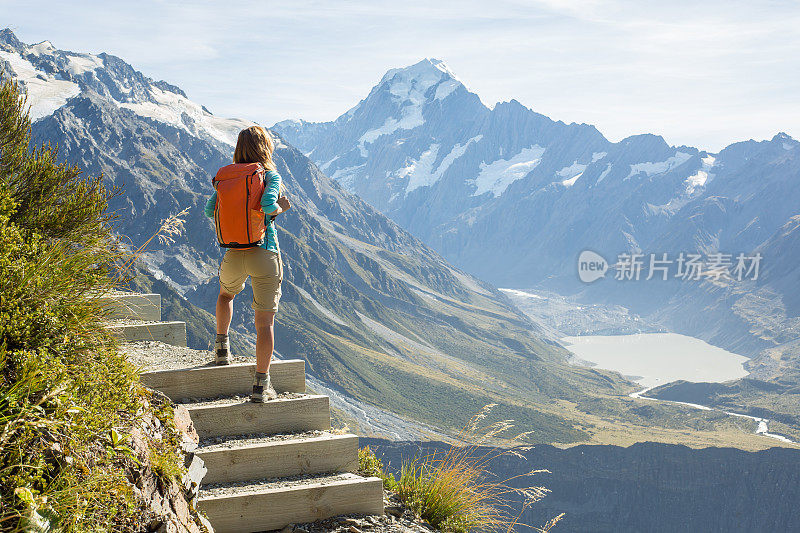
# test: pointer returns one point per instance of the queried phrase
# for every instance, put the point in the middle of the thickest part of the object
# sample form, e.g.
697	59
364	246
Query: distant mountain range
406	344
514	197
384	323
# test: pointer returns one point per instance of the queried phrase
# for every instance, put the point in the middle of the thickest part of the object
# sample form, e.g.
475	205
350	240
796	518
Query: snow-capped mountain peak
412	82
421	128
50	77
396	120
44	47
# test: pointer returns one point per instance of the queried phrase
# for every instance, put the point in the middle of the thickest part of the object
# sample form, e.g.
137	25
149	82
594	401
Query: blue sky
699	73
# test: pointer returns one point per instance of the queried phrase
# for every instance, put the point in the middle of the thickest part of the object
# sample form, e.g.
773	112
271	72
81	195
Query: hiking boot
222	350
262	386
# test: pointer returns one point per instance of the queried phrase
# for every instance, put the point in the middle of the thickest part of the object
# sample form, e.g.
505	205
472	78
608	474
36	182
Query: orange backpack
238	216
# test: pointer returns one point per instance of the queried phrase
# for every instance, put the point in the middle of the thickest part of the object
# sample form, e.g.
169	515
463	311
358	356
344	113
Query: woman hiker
244	205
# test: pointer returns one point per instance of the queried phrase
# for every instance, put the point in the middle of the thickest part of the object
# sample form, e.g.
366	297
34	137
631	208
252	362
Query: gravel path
222	443
246	487
232	400
154	355
118	322
397	519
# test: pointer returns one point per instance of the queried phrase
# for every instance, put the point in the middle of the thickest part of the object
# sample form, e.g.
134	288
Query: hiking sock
262	385
222	349
258	387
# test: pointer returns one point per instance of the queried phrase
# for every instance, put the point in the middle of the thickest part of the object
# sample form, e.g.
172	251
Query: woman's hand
283	204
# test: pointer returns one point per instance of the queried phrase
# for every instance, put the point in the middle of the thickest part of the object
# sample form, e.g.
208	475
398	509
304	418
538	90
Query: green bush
64	388
368	463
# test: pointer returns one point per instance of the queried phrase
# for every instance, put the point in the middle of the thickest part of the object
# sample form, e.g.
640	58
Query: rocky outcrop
168	503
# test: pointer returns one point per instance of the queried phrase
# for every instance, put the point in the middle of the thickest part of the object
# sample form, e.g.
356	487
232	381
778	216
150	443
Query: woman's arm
211	203
269	200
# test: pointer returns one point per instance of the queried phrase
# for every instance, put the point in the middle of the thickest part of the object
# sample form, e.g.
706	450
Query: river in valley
653	359
642	352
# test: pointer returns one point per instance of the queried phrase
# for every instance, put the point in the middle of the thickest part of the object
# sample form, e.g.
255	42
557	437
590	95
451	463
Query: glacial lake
653	359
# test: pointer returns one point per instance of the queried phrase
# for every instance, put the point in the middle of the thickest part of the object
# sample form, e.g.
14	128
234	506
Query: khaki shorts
265	269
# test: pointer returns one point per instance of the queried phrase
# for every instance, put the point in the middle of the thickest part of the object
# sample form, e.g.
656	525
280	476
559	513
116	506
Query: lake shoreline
658	358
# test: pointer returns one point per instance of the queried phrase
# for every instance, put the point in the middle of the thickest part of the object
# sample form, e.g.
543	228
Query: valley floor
606	420
745	413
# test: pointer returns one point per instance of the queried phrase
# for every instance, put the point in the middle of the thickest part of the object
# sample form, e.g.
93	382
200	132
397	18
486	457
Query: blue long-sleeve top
268	203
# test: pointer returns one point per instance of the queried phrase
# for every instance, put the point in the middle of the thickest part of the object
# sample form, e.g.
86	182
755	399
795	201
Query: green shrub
370	466
368	463
63	385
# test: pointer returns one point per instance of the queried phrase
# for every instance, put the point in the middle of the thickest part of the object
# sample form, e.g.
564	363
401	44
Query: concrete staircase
269	465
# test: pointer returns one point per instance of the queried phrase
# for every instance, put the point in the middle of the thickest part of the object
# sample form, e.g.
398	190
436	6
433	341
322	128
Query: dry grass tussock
456	490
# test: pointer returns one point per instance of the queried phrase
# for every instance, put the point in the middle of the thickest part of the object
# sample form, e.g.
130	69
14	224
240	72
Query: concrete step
265	506
133	306
283	415
255	458
230	380
167	332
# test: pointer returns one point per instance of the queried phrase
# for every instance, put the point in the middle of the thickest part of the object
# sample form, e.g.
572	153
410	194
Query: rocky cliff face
514	197
648	487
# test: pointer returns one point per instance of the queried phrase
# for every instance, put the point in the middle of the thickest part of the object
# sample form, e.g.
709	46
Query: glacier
497	176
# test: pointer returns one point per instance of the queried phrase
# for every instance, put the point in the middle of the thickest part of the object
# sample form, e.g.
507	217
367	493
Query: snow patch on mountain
324	166
605	173
700	178
445	88
422	174
178	111
44	92
660	167
411	118
345	176
597	156
574	171
497	176
525	294
44	47
82	63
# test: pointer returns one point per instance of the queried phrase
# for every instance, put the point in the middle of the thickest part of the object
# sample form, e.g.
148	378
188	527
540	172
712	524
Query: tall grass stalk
171	227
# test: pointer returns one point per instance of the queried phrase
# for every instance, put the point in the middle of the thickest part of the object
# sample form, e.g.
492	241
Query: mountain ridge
513	197
377	315
343	259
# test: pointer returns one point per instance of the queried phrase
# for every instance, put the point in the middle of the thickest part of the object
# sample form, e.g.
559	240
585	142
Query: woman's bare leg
265	340
224	312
